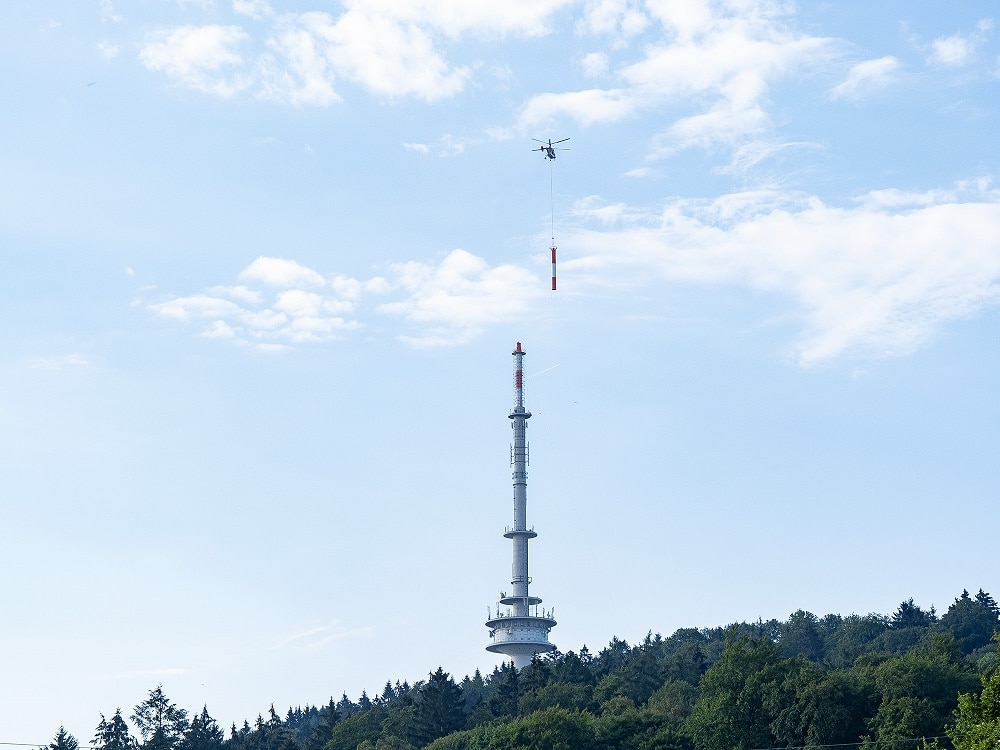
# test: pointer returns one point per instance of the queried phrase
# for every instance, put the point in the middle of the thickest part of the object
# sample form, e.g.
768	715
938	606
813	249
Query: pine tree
440	709
161	723
204	733
113	734
503	702
324	730
64	741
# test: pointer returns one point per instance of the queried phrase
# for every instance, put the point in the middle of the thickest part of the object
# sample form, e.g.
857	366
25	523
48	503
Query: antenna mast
517	632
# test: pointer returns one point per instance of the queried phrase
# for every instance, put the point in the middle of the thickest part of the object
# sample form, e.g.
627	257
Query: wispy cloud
108	50
712	62
877	279
959	49
205	58
280	272
316	638
283	303
59	362
951	50
155	673
108	12
255	9
866	77
451	302
390	49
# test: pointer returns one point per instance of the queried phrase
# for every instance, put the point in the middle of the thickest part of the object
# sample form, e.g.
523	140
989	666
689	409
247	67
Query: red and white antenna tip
518	347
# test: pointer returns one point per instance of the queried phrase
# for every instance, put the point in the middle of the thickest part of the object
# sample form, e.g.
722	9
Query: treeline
888	681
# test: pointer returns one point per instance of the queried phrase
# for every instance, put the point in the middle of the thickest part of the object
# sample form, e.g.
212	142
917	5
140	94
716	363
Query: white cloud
595	64
617	18
195	306
392	49
959	49
239	293
199	57
255	9
454	300
299	304
951	50
753	152
714	60
108	50
318	637
587	107
220	329
59	362
387	57
280	272
866	77
108	12
164	672
879	279
458	17
449	302
352	289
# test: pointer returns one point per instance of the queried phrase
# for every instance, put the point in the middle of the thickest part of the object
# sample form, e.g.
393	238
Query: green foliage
740	695
113	734
917	691
800	636
203	734
440	709
572	669
824	708
63	741
504	701
977	719
804	682
573	697
972	622
322	732
355	729
674	700
160	722
909	615
848	638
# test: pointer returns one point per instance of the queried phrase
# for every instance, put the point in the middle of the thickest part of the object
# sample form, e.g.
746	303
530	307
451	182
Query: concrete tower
522	630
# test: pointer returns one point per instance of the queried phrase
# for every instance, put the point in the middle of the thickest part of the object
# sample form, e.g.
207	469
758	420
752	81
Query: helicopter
548	148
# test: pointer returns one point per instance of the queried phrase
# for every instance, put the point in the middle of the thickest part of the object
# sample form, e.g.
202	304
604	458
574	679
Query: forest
912	680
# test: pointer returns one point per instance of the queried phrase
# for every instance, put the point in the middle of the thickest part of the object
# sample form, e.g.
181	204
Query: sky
262	267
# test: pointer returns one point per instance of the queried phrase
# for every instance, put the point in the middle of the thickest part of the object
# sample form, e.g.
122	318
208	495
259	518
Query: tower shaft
517	632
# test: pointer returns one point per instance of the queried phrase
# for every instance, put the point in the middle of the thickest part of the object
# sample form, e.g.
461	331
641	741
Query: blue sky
263	266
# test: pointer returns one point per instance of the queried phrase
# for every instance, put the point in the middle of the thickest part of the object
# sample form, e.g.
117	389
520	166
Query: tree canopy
908	680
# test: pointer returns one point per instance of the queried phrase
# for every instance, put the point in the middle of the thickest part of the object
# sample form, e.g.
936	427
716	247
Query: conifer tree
63	741
113	734
441	708
204	733
160	722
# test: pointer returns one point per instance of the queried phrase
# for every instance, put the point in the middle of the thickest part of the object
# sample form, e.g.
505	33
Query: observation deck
520	636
